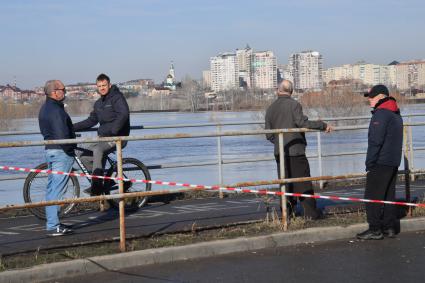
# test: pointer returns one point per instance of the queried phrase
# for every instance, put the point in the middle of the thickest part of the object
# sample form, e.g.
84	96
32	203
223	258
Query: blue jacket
385	136
55	124
111	112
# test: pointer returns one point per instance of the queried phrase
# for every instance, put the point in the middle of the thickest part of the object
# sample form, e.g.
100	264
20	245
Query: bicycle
36	183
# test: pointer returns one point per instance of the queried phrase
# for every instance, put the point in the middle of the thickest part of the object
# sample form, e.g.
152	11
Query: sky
76	40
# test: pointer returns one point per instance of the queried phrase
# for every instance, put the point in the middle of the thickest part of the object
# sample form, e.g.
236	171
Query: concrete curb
200	250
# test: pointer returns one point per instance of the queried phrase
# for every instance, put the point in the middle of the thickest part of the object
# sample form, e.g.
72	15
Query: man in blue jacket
56	124
385	141
112	114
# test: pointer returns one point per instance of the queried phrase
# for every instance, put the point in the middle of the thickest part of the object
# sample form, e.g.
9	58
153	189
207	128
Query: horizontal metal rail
16	133
177	136
167	136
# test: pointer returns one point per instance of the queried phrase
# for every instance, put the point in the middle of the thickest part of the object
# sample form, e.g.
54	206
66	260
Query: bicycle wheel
132	169
35	191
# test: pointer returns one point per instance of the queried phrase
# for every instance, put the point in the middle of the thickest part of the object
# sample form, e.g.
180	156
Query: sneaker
67	226
370	235
389	233
60	231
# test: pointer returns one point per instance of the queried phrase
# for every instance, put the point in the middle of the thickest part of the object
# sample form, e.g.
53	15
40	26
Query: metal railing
221	161
408	155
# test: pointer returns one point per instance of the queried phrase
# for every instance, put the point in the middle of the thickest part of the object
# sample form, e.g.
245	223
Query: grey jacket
287	113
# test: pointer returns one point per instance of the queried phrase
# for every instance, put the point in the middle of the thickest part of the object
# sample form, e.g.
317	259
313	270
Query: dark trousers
94	158
380	185
297	167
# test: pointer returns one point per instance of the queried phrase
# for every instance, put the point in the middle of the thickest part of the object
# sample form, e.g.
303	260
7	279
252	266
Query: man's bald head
285	88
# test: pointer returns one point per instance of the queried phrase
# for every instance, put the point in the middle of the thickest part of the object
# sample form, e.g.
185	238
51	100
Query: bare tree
192	91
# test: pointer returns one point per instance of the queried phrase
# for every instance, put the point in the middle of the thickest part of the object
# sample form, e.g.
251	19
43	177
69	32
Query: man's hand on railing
329	129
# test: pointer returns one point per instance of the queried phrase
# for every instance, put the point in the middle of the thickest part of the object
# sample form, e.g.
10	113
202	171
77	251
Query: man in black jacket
385	141
112	114
55	124
287	113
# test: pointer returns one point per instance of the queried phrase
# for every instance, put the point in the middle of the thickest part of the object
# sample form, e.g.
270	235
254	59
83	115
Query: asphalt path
389	260
27	233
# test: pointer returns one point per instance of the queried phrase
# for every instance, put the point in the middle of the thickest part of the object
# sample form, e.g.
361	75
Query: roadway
27	233
390	260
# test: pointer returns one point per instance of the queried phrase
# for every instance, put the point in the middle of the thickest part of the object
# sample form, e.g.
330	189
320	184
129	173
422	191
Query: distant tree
191	89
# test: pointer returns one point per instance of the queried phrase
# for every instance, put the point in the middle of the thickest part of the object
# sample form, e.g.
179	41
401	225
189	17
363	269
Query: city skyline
74	41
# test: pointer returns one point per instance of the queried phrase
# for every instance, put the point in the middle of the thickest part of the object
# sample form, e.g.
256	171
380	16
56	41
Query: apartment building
206	79
263	70
410	75
369	74
244	58
306	70
224	72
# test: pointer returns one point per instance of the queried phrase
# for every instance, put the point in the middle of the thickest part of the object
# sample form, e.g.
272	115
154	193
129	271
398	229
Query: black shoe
91	192
370	235
87	191
108	184
389	233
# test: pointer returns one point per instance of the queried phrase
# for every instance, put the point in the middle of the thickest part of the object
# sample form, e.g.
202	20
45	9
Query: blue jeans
57	160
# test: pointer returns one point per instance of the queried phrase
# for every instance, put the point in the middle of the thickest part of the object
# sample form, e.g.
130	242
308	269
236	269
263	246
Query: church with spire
170	81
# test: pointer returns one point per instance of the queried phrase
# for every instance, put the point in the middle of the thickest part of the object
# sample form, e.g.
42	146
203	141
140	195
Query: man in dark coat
286	113
112	113
385	141
55	124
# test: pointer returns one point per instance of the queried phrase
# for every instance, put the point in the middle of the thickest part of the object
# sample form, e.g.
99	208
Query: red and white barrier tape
261	192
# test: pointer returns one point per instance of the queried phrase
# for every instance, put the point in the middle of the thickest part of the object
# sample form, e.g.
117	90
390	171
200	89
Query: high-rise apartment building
243	69
263	71
224	72
244	57
306	69
206	79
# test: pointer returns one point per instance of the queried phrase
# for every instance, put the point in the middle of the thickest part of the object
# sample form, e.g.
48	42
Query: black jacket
111	112
55	124
287	113
385	136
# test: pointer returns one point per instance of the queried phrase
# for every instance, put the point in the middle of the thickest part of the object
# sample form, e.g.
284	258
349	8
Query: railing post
319	158
282	186
406	167
122	201
220	161
412	166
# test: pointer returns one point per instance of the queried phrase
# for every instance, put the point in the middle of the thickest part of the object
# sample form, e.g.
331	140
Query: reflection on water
155	152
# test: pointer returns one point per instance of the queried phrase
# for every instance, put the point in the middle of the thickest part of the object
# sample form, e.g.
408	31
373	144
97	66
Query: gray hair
285	88
50	87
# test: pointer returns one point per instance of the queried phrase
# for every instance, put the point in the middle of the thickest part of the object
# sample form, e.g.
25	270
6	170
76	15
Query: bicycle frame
83	168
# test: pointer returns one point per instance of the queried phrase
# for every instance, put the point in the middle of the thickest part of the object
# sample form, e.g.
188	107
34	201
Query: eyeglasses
62	89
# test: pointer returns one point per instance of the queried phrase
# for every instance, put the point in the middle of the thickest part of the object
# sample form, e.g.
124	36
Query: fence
408	158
